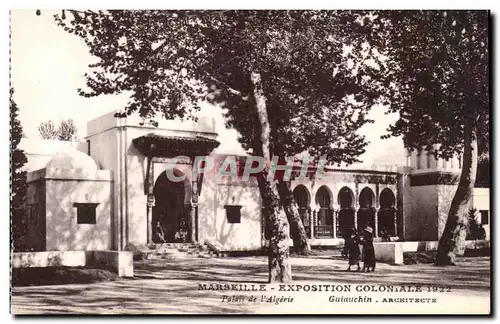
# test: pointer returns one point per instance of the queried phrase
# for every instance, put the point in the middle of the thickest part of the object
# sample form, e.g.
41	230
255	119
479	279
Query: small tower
425	160
427	193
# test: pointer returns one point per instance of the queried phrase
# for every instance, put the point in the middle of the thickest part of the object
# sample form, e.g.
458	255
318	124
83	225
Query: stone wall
115	261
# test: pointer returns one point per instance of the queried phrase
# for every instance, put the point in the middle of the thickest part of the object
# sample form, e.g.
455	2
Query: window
85	213
233	213
484	217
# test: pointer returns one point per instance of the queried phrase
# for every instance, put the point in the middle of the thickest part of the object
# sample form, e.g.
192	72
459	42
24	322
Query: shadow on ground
171	285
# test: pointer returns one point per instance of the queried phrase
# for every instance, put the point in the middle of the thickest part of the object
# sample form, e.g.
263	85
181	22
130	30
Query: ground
172	286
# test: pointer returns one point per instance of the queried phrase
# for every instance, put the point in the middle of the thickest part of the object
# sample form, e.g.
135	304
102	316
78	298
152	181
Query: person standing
346	234
353	250
368	250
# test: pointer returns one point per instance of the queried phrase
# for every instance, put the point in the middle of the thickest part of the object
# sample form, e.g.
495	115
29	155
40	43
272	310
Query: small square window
233	213
85	213
484	217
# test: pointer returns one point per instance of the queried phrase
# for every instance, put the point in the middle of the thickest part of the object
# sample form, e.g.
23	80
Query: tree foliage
313	64
66	131
290	81
17	177
439	77
439	83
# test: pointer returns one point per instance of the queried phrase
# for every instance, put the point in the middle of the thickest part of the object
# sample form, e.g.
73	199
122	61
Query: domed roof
73	160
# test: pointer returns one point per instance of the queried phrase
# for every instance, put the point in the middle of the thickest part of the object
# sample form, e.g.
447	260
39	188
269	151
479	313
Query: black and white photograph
230	161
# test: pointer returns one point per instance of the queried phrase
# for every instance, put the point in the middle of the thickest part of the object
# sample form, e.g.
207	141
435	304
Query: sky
48	66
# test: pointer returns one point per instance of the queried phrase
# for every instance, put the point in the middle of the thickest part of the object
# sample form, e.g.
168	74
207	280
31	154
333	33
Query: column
377	209
335	220
194	208
356	210
396	214
311	223
395	222
314	215
150	199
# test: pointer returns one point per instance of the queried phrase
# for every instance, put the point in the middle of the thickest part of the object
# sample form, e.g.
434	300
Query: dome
73	160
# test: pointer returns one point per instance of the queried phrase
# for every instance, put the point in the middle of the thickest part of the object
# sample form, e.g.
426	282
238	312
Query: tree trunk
452	240
297	231
279	265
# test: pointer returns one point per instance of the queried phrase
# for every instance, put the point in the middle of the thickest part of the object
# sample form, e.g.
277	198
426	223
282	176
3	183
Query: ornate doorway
170	219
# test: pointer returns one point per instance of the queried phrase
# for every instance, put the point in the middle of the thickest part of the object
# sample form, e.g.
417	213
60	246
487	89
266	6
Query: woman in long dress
353	250
368	250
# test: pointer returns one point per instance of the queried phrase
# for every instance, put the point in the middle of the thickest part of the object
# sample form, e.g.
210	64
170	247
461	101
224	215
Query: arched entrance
346	213
366	212
387	213
302	198
324	219
171	210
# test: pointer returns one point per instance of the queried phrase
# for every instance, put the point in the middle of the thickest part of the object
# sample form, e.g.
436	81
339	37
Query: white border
187	4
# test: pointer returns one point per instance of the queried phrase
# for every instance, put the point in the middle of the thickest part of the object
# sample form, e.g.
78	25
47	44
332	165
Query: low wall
433	245
392	252
420	246
389	252
338	242
120	262
48	259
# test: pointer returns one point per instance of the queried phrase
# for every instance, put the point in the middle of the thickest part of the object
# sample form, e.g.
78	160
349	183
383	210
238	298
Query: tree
17	177
439	84
287	78
66	131
475	230
48	130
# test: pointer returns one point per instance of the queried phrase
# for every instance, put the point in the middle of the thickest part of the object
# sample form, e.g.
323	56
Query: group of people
352	250
161	234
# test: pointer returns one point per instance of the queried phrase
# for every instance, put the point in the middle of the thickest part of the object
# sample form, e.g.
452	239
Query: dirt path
173	286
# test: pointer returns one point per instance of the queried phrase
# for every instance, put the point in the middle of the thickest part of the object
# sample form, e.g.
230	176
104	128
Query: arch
366	212
324	219
162	177
171	209
303	199
387	213
345	197
387	198
302	195
323	197
346	212
366	198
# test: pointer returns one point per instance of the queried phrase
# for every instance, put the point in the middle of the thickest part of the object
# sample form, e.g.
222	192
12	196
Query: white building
112	189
